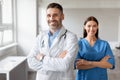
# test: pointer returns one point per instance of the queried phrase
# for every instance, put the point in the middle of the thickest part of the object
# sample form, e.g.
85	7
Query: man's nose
51	17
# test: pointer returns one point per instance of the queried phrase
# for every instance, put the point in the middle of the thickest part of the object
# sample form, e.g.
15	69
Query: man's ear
62	16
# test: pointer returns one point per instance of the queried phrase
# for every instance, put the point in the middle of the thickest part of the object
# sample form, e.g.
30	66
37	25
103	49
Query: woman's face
91	28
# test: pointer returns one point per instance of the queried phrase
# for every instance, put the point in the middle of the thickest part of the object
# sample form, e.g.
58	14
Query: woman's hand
105	58
82	62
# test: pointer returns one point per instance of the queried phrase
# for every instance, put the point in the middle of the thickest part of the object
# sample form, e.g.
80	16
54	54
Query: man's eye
55	15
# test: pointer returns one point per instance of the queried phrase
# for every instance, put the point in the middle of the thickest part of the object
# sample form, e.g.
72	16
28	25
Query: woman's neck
91	40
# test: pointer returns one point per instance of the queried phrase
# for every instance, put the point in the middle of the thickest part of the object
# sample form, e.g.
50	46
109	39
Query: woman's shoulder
102	41
81	39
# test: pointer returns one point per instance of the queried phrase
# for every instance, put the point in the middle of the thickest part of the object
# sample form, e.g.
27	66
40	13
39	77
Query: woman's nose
91	28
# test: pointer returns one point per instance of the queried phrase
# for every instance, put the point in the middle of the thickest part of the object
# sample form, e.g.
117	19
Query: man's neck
52	31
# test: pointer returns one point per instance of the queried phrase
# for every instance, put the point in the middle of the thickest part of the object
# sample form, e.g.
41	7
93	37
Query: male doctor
54	52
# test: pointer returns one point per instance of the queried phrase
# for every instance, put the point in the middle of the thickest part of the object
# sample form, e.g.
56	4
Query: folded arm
59	63
84	64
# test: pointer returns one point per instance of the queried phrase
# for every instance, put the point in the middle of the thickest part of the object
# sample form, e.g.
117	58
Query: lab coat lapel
46	44
47	38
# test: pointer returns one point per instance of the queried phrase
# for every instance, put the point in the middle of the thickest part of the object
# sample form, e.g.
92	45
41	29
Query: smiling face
54	18
91	28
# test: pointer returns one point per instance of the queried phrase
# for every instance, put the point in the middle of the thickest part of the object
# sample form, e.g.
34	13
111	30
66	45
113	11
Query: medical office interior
22	20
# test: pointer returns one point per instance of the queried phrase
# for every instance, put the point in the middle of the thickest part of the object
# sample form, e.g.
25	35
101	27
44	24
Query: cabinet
13	68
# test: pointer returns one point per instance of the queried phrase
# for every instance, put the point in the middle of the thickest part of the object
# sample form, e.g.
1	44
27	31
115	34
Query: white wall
119	30
106	11
27	20
85	3
108	21
74	19
26	25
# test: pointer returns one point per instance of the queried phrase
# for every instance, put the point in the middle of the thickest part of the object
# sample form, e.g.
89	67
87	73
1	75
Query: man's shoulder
42	33
70	33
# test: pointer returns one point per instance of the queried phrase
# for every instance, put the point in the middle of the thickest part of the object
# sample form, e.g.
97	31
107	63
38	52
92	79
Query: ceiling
83	3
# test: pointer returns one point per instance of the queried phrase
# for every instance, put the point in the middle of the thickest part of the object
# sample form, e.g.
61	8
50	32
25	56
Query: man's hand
39	56
63	54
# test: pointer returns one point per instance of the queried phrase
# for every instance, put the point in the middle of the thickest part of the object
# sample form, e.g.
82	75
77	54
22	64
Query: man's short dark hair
55	5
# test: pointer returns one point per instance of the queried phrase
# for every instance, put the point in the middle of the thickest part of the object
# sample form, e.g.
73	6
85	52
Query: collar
55	34
62	31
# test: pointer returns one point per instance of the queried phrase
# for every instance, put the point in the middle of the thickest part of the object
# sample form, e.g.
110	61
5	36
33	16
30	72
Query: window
7	23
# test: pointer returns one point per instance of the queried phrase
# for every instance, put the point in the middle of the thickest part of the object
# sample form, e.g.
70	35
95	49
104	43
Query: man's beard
53	23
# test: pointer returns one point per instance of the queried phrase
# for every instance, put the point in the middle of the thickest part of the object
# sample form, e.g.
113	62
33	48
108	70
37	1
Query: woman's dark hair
91	18
55	5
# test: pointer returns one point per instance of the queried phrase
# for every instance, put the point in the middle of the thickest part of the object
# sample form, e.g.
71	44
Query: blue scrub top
96	52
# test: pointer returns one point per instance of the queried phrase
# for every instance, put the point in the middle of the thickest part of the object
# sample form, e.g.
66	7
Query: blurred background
22	20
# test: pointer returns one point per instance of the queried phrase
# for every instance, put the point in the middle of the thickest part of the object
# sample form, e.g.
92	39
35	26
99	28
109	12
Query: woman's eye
89	26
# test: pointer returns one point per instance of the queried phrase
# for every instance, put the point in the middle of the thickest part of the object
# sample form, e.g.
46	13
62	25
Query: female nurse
94	56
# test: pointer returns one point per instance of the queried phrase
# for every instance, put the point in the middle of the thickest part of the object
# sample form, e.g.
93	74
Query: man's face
54	18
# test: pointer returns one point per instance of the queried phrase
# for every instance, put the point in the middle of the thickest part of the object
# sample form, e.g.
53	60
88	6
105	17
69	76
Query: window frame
11	26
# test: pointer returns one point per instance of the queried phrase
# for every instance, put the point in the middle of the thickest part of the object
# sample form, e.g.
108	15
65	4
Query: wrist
42	57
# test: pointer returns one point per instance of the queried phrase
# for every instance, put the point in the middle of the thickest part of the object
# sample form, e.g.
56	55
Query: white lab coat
52	67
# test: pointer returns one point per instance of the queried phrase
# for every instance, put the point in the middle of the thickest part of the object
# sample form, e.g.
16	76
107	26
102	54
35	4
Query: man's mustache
52	21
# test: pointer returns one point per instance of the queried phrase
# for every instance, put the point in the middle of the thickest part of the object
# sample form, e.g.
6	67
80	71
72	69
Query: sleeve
31	60
77	56
63	64
109	52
